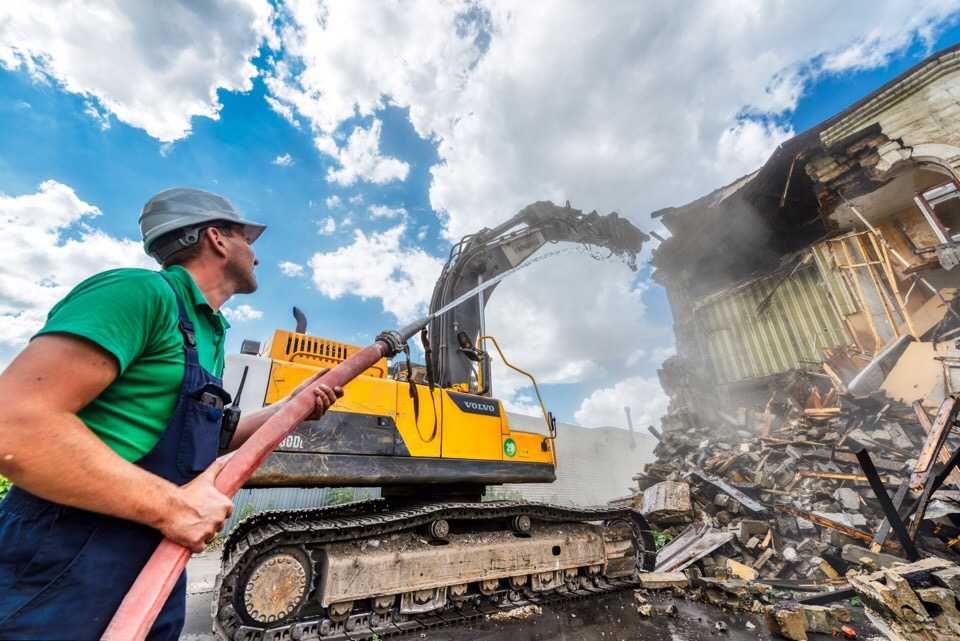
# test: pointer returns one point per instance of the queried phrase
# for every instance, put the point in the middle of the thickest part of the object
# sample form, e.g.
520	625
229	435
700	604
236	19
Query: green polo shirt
132	314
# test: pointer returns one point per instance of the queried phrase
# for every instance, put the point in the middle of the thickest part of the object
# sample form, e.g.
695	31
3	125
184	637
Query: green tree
4	486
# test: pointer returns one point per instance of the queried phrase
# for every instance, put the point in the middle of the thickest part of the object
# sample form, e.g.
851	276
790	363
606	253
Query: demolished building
845	240
813	394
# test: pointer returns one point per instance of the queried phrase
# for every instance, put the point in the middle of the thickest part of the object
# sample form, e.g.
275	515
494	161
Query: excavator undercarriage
363	571
431	552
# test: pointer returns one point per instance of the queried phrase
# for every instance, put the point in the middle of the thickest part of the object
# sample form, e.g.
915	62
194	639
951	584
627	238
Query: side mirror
467	347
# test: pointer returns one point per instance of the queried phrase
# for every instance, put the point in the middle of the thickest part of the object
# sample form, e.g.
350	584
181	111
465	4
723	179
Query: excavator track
279	568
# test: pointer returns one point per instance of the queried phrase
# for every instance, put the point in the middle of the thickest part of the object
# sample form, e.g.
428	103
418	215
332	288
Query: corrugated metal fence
252	501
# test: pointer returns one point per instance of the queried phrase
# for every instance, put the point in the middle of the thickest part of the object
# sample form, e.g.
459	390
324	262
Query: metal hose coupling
395	339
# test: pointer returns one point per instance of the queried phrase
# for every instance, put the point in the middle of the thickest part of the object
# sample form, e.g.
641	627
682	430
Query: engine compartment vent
303	349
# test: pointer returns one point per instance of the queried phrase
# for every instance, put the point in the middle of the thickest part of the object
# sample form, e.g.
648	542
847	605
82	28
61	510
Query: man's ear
215	238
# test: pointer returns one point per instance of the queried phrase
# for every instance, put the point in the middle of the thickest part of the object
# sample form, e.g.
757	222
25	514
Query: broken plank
838	476
823	521
780	441
944	454
663	580
762	559
821	412
935	439
722	486
889	509
694	543
884	530
847	457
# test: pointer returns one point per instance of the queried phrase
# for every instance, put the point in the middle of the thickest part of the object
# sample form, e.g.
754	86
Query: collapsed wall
815	318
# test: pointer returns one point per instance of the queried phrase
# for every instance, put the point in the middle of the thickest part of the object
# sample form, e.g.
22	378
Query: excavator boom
490	252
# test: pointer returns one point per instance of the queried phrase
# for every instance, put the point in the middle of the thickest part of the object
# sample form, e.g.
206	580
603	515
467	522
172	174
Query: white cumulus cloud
153	65
360	159
333	202
49	244
283	160
383	211
291	269
241	313
604	407
377	266
414	54
102	118
326	226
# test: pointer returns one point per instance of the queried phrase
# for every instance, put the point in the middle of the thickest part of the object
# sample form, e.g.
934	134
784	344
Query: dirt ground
608	618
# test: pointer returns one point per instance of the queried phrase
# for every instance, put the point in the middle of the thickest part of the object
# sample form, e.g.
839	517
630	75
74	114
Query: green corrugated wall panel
796	325
833	280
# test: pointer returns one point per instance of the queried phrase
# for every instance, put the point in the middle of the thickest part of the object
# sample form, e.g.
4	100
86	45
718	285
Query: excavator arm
484	255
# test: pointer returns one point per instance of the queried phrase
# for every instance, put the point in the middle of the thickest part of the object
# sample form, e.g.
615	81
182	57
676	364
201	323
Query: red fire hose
149	593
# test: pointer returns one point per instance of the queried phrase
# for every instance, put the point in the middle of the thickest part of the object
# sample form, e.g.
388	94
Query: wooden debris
720	485
663	580
741	571
694	543
667	503
828	523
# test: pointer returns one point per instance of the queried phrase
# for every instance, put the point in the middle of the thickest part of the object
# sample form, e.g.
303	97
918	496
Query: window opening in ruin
940	205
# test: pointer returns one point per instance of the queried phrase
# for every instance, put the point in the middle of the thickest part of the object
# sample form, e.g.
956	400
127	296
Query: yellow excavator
432	437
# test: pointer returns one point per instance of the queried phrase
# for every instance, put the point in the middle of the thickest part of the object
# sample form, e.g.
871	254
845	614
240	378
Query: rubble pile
779	494
757	510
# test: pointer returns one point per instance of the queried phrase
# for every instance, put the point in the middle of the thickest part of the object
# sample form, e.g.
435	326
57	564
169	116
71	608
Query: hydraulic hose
149	592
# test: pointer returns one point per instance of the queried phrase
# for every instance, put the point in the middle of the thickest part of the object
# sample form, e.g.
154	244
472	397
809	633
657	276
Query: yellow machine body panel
421	430
472	427
303	349
471	432
376	426
529	447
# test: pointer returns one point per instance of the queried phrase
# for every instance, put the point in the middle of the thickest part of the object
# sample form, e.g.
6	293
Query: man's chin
248	285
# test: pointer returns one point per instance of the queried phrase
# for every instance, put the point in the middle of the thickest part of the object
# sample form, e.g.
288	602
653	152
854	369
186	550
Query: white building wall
594	464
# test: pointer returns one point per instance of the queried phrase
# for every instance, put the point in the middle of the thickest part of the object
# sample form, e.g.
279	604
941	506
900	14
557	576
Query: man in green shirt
111	420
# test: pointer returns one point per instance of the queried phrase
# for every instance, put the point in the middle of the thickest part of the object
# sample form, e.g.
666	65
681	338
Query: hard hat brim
251	230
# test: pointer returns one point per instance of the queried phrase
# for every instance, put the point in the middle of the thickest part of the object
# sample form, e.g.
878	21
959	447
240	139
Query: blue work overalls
64	571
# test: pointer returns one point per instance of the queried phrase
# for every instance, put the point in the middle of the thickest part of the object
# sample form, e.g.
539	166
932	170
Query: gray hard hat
188	210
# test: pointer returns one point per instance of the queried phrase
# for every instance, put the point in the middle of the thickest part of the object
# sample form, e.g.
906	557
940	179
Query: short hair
190	252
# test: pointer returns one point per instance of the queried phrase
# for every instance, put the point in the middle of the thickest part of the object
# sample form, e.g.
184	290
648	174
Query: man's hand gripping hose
142	604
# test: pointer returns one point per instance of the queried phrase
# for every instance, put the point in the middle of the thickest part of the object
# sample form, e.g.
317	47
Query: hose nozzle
395	339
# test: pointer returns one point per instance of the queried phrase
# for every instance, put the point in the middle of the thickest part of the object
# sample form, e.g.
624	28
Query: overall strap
186	326
183	323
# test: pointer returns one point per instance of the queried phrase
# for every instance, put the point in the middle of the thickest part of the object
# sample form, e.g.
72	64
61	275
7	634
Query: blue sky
476	152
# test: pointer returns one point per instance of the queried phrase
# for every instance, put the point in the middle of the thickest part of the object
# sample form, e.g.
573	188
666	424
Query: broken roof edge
837	127
712	199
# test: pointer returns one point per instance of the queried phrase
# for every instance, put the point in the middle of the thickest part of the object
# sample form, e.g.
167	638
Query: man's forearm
56	457
251	422
323	397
